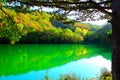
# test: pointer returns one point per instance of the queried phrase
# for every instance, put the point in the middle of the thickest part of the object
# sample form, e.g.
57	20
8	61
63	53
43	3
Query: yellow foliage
20	26
78	30
85	31
81	25
10	12
12	41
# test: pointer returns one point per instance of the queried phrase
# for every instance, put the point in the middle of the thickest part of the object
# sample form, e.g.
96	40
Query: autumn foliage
37	27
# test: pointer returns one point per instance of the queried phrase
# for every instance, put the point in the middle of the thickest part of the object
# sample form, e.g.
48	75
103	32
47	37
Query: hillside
39	27
102	35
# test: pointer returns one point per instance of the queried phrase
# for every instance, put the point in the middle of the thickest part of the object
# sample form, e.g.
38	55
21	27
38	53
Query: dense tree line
37	27
101	35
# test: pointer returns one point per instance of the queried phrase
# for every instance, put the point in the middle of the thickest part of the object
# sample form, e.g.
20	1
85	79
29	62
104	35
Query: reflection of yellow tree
38	57
81	51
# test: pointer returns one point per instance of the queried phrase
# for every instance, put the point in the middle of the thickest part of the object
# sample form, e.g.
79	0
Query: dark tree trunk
116	40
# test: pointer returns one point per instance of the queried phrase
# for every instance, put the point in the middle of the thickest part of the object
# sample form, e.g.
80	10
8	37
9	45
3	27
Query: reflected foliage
25	58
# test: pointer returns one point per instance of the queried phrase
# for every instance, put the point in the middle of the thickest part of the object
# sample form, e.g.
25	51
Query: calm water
35	61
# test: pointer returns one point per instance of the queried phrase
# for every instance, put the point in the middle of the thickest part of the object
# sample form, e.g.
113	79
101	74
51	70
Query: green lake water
35	61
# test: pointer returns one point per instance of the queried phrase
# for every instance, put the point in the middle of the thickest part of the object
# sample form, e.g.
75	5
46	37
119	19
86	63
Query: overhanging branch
7	14
4	11
101	8
71	5
105	2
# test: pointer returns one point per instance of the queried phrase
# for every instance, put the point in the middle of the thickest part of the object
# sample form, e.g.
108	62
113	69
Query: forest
34	26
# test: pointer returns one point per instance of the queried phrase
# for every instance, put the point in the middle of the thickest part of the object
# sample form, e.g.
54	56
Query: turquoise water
35	61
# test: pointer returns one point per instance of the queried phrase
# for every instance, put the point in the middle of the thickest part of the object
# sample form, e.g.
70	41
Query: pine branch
7	14
105	2
4	11
102	9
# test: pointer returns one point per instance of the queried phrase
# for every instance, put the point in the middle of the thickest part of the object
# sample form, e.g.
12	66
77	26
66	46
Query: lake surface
35	61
